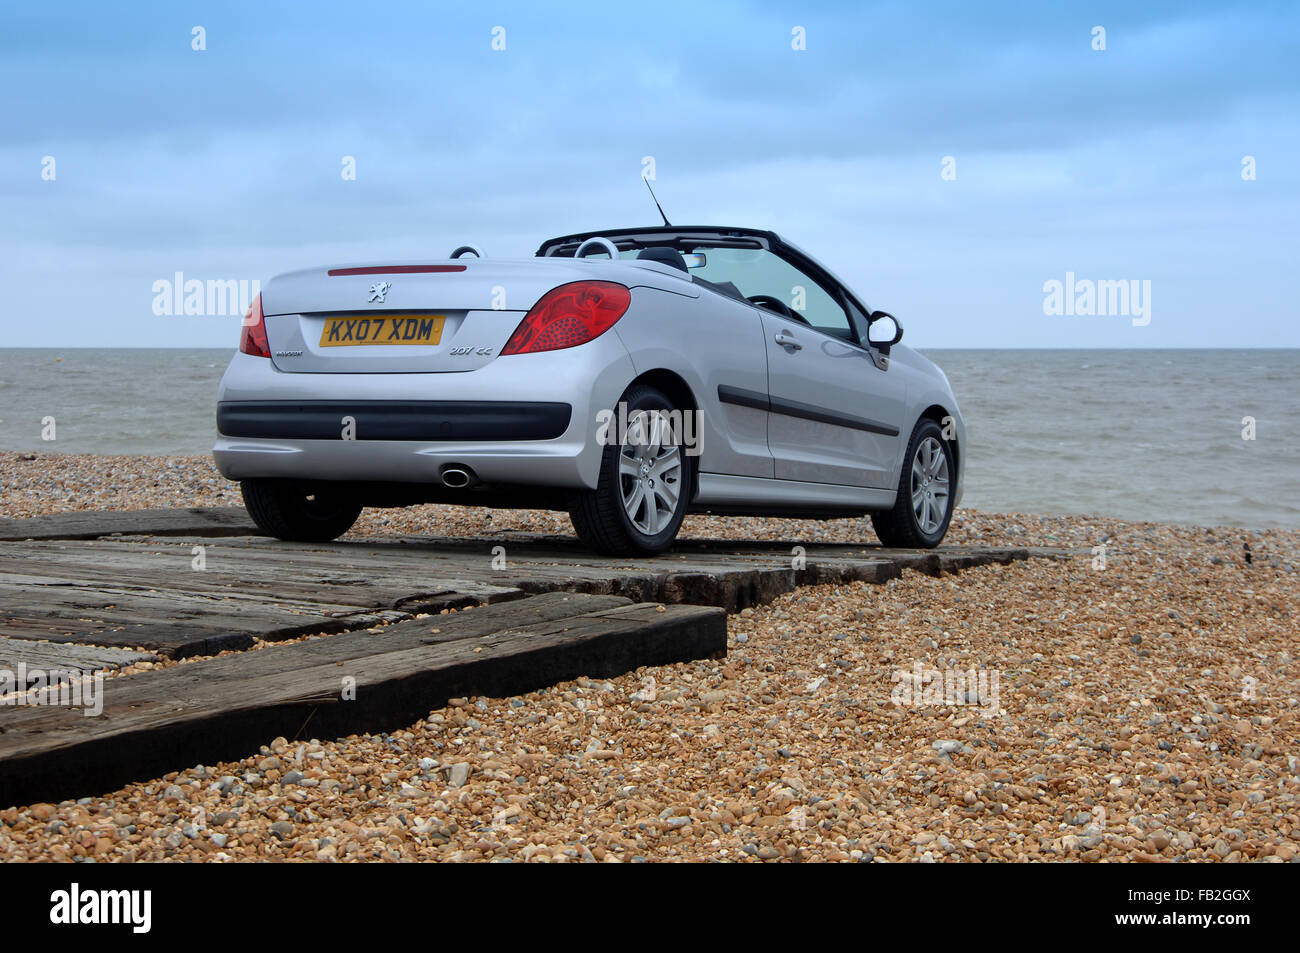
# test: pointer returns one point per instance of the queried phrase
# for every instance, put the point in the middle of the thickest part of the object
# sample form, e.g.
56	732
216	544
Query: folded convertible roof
624	238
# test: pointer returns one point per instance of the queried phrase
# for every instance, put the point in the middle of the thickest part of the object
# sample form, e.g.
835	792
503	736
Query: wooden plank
350	593
169	623
119	595
219	607
272	575
65	657
89	524
468	624
220	709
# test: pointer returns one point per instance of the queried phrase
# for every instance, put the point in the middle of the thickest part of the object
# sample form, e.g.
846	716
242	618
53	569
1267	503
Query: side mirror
883	330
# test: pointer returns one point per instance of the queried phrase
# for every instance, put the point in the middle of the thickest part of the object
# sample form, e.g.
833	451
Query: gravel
1145	711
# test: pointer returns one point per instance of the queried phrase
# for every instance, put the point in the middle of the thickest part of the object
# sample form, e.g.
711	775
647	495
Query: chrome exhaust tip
456	478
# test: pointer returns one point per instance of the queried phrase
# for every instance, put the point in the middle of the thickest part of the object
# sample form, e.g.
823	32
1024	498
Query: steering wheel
773	303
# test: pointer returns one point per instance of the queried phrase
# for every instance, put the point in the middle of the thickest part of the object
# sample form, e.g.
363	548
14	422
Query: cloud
226	162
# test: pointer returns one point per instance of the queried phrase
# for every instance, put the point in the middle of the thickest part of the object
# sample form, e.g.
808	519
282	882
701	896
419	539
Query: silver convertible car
629	377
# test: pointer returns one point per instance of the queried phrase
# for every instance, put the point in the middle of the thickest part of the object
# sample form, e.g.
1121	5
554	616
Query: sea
1208	437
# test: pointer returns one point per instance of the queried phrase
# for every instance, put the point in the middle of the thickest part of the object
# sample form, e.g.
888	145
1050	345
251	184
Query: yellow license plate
351	330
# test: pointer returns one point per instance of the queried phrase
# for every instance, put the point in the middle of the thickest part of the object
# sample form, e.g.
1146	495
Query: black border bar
394	419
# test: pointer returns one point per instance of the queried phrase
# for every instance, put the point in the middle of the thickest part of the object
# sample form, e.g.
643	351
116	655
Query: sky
948	161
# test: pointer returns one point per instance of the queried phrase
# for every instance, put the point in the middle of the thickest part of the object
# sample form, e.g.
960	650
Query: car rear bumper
527	419
536	463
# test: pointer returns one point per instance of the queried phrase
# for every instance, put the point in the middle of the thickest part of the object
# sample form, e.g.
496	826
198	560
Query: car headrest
664	255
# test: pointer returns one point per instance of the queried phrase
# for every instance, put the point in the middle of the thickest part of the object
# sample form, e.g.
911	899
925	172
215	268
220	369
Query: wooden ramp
221	709
145	593
86	593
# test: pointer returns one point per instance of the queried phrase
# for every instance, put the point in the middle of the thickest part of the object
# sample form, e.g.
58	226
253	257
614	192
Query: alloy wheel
929	485
650	471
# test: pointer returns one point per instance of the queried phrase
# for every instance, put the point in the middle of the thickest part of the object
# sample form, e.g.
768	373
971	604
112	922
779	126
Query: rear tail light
252	340
569	315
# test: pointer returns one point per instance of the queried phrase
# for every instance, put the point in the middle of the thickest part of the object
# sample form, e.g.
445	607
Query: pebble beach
1144	706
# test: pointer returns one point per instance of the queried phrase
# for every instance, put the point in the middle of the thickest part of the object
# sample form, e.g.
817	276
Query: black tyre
302	512
645	483
920	516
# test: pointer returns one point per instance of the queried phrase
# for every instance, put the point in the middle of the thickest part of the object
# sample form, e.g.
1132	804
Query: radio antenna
656	201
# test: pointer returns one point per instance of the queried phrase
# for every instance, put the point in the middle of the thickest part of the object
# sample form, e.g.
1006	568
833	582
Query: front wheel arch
939	414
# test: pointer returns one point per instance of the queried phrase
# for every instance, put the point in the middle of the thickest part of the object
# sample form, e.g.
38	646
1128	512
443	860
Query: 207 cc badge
379	290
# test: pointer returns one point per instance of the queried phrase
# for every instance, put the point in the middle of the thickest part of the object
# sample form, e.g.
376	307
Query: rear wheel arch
673	386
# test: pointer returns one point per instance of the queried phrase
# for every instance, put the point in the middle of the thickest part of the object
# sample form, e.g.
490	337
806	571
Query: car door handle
785	340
